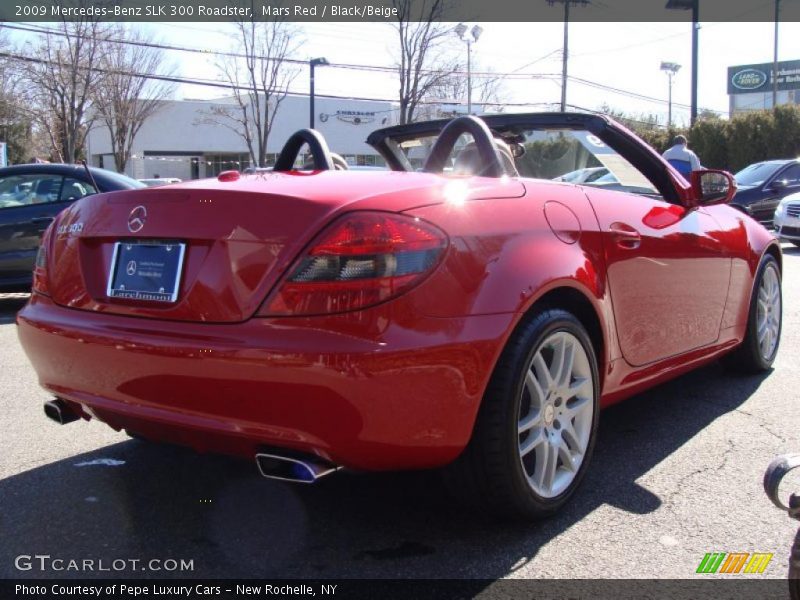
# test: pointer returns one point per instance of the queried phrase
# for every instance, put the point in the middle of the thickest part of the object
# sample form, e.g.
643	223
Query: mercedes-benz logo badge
136	219
131	268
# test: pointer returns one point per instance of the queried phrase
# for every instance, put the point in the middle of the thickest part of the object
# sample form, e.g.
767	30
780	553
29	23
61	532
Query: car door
667	271
28	204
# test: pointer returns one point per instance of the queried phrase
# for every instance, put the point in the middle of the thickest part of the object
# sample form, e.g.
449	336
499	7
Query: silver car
787	219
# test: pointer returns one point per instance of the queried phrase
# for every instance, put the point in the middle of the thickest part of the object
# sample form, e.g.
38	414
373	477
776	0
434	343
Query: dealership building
750	87
189	139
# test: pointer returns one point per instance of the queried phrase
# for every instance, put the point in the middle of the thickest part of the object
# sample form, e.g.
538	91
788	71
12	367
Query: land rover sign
747	79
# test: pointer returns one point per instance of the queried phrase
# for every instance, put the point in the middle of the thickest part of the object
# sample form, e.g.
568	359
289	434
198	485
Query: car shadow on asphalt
167	502
10	305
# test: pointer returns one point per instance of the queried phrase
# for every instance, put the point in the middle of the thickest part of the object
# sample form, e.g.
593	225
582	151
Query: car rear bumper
370	390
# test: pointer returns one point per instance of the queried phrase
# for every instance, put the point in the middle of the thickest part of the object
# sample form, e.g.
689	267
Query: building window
217	163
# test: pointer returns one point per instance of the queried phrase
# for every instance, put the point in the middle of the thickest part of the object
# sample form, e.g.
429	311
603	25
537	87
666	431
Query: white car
159	181
787	219
587	175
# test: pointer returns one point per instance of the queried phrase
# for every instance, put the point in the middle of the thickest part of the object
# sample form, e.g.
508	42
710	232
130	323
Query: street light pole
314	62
670	68
469	77
476	32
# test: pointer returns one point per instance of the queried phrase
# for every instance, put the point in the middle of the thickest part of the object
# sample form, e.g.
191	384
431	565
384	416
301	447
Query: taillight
40	271
40	283
360	260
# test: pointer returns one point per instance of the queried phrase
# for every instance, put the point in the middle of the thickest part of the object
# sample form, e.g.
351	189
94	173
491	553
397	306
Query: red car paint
398	384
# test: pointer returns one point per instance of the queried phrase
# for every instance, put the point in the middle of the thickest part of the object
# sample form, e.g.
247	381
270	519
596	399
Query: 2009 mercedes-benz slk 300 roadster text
461	310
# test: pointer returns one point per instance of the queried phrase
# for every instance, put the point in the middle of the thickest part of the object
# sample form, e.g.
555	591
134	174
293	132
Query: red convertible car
462	310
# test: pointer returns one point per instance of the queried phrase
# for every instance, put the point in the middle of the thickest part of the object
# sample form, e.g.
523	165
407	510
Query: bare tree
259	81
424	63
126	99
15	125
488	91
61	84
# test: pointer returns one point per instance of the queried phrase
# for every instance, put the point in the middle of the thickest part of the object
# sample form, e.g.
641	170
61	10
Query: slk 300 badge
72	229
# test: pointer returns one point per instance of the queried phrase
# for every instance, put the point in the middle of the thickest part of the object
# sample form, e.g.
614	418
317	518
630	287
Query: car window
117	180
791	175
755	174
75	190
24	190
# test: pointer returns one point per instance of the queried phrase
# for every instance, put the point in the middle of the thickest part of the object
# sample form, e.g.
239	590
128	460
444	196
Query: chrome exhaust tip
59	411
295	469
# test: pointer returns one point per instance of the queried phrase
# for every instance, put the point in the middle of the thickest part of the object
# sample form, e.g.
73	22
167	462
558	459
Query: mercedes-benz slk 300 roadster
462	310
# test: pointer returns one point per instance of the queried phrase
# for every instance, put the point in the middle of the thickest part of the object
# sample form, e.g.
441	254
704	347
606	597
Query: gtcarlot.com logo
734	562
46	562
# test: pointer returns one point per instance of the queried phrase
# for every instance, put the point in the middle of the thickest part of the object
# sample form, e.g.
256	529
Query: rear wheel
537	424
760	345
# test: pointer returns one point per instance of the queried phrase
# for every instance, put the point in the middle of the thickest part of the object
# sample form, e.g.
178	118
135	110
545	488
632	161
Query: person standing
679	156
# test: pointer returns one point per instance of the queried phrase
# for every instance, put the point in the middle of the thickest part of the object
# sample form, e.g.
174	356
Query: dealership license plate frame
165	297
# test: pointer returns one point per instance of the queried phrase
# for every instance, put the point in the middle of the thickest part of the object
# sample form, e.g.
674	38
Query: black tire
489	474
794	568
747	358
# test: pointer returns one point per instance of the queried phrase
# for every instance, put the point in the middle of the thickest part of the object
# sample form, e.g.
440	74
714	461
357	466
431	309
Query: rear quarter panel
504	255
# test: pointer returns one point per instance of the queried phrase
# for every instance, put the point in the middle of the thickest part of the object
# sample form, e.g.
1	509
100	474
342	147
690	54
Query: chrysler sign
746	79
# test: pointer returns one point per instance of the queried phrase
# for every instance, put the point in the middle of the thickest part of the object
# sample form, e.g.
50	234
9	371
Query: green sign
747	79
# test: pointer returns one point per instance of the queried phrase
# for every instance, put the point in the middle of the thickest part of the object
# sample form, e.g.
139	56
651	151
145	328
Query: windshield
570	155
756	174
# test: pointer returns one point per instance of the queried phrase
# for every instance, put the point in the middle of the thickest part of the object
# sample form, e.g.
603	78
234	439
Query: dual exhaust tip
275	464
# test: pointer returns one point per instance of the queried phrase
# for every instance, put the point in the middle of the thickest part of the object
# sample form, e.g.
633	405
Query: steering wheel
443	147
316	145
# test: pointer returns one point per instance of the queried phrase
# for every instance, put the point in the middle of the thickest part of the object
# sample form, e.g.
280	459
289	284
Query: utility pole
775	56
565	52
695	41
694	6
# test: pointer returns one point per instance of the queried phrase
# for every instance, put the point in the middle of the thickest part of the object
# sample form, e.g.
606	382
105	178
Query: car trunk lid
237	238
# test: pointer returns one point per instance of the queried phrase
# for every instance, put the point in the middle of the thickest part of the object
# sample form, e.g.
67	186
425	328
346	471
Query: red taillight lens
40	271
361	260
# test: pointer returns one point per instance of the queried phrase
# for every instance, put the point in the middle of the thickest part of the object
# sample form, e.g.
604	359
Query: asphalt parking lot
676	474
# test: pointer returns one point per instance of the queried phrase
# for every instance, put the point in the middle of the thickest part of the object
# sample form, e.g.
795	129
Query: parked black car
763	185
30	197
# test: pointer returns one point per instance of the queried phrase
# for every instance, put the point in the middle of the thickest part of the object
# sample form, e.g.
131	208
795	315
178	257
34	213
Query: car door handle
39	220
625	235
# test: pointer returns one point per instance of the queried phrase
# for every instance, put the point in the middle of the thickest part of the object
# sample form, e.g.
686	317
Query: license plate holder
149	271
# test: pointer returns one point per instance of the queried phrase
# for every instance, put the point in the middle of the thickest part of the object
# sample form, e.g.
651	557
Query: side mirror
712	187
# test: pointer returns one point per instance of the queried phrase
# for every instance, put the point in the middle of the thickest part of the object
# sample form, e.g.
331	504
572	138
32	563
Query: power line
228	85
296	61
514	75
637	95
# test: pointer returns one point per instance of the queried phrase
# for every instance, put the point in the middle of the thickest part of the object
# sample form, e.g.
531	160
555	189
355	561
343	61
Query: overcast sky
621	55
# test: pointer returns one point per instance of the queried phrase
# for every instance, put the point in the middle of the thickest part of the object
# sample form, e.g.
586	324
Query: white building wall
182	130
